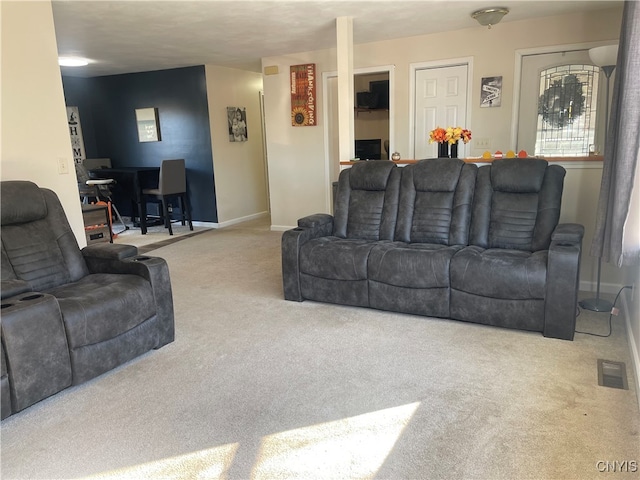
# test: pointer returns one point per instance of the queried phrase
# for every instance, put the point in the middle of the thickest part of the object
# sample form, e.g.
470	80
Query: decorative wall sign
75	131
491	92
147	121
303	95
237	118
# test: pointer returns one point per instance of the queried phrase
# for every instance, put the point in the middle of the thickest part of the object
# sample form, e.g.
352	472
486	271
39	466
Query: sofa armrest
154	269
563	280
312	226
13	287
568	233
110	251
317	220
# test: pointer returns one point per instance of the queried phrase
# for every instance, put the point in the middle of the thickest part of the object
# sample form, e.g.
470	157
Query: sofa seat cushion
500	273
336	258
100	307
413	265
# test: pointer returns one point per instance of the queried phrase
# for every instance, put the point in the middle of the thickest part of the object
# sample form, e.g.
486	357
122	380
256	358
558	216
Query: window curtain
617	234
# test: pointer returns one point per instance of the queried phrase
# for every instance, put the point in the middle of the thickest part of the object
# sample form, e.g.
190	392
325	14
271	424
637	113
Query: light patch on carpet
210	463
358	445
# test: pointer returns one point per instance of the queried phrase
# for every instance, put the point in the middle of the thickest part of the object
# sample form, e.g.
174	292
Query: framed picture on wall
147	122
491	91
237	118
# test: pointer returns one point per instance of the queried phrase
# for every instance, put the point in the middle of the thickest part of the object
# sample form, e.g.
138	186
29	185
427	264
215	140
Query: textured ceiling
144	35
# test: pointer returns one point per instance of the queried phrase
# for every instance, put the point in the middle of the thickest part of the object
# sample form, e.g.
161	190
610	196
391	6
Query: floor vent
612	374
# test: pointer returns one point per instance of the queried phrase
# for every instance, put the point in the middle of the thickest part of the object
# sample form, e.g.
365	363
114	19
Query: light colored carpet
255	387
155	234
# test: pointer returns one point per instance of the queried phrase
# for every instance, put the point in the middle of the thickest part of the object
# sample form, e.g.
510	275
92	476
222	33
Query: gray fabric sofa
69	315
443	238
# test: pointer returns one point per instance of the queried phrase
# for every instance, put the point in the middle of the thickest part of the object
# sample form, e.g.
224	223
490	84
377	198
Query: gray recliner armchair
69	315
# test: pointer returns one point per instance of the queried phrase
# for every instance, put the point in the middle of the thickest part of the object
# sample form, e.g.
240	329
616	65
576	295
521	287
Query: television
380	88
370	149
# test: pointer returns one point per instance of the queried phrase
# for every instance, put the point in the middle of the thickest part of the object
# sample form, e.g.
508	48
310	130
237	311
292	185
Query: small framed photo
237	118
147	122
491	92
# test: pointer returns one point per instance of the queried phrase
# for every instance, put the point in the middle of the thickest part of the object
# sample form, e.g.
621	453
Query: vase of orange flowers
449	136
439	135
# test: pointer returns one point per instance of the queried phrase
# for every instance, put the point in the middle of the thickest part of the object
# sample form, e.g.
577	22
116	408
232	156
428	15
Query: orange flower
450	135
438	134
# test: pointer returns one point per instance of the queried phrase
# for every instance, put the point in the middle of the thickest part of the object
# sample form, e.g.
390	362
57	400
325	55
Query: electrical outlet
63	166
482	143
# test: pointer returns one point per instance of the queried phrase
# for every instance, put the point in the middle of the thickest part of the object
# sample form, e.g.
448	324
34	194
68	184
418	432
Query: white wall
34	119
296	154
298	184
239	167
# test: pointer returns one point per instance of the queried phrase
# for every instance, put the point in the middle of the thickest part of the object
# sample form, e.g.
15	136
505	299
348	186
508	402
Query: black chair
172	183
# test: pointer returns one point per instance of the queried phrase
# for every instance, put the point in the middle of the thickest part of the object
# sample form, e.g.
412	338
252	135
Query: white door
441	101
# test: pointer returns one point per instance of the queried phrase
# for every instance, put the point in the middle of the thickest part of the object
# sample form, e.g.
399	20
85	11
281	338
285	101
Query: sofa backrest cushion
435	202
517	204
22	202
366	204
38	245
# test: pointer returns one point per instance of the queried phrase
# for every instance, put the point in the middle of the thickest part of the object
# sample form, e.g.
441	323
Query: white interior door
441	101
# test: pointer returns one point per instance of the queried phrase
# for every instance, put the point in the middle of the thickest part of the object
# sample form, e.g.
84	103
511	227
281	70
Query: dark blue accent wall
107	113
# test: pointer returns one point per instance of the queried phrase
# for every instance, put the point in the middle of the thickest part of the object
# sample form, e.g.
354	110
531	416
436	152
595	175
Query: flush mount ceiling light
489	16
72	61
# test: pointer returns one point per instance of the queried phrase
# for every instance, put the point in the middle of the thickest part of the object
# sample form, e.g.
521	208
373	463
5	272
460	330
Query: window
567	102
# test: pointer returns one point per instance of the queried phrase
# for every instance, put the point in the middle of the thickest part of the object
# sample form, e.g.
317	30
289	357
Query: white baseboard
610	288
206	224
281	228
235	221
633	350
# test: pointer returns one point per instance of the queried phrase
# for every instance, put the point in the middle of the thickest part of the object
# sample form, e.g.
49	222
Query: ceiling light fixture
72	61
489	16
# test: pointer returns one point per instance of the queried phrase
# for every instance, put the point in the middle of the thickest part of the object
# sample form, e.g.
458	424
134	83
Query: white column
344	44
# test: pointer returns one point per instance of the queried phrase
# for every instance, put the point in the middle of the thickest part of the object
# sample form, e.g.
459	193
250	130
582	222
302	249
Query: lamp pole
598	304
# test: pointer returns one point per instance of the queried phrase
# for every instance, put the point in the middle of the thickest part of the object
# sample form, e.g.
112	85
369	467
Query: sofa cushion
516	204
93	307
42	252
336	258
415	265
435	202
500	273
22	202
518	176
366	203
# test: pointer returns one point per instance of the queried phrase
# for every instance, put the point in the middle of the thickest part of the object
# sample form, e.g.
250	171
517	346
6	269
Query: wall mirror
147	122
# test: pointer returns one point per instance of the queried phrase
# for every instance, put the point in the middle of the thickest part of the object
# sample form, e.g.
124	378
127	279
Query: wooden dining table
130	181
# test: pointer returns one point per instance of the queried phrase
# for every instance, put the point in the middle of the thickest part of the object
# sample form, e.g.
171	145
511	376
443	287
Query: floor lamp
605	58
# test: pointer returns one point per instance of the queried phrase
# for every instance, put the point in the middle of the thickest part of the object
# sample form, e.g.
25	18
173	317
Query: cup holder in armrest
7	305
31	297
298	229
141	259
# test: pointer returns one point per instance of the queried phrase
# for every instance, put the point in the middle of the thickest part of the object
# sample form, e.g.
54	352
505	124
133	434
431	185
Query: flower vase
454	150
443	150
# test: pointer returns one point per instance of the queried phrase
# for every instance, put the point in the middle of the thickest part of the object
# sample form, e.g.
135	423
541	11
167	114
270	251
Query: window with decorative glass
567	111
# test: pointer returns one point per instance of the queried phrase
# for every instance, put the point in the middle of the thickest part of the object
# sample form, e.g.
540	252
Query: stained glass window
567	110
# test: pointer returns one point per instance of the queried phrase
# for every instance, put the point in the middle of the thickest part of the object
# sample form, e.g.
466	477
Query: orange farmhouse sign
303	95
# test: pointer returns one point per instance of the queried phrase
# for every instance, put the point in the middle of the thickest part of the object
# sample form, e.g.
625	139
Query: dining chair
172	183
100	189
